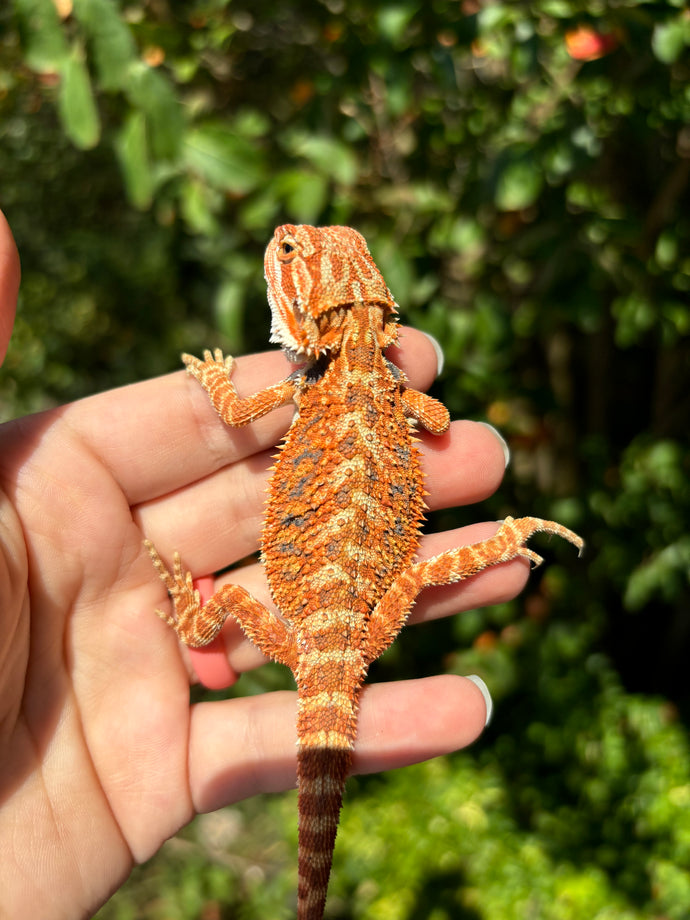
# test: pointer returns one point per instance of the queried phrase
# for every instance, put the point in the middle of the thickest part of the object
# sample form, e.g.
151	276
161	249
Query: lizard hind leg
391	612
185	599
196	625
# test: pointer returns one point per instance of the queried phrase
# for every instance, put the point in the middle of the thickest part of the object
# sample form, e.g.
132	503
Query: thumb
9	283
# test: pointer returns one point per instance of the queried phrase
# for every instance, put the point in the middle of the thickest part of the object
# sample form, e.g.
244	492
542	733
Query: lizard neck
360	334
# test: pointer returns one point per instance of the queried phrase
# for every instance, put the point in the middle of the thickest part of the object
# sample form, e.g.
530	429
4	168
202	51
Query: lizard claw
533	557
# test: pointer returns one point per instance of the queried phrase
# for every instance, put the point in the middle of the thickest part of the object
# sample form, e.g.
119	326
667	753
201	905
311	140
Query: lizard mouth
303	337
288	329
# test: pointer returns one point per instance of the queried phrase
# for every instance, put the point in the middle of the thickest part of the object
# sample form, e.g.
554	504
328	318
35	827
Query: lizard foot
516	531
186	599
213	366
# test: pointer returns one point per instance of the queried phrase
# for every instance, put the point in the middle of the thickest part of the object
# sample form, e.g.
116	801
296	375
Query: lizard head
314	275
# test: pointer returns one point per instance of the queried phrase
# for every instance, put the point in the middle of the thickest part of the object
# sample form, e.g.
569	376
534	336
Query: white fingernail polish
477	681
501	439
440	358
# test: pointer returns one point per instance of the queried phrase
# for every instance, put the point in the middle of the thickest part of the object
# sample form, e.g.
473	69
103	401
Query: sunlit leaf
670	38
197	202
635	315
329	155
151	91
223	158
665	575
392	20
519	185
114	50
43	38
305	194
77	106
229	310
133	153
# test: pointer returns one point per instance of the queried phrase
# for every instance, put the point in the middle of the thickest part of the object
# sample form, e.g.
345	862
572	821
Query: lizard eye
285	251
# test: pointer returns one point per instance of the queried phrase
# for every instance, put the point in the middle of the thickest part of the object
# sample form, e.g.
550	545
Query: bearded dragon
343	515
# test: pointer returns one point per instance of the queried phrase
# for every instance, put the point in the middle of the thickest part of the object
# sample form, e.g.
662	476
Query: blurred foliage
521	173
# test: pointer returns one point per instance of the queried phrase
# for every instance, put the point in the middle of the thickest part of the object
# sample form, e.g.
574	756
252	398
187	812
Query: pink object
211	662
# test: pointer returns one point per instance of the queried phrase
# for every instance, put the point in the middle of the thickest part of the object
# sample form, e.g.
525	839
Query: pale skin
102	758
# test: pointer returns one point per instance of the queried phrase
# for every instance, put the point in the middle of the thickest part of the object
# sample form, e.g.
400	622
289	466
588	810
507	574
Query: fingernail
501	440
440	359
485	693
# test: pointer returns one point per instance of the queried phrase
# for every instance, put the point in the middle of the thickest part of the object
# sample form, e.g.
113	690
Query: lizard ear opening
389	333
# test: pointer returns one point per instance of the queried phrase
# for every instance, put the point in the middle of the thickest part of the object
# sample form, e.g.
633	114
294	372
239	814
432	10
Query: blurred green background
521	173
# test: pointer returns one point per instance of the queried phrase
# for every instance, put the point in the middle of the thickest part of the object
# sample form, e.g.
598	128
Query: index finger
163	434
9	283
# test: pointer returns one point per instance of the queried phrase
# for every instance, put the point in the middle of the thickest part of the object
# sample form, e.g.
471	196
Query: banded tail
326	727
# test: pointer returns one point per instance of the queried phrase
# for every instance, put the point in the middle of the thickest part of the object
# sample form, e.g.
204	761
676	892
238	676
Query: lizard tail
324	758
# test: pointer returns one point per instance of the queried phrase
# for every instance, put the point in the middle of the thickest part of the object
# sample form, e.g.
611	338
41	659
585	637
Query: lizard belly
343	515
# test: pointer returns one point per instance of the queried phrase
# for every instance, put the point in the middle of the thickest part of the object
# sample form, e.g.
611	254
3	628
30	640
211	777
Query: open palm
101	756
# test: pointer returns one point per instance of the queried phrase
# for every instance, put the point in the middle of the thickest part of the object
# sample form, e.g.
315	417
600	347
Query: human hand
101	755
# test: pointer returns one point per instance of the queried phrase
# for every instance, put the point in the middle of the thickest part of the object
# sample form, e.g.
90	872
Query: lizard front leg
196	625
213	373
391	612
427	411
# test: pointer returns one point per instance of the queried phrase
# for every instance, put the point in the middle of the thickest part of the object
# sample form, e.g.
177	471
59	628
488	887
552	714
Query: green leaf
198	206
133	153
393	21
635	314
45	45
492	17
329	155
114	50
223	158
76	105
669	39
305	194
395	267
150	91
663	574
519	185
229	311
